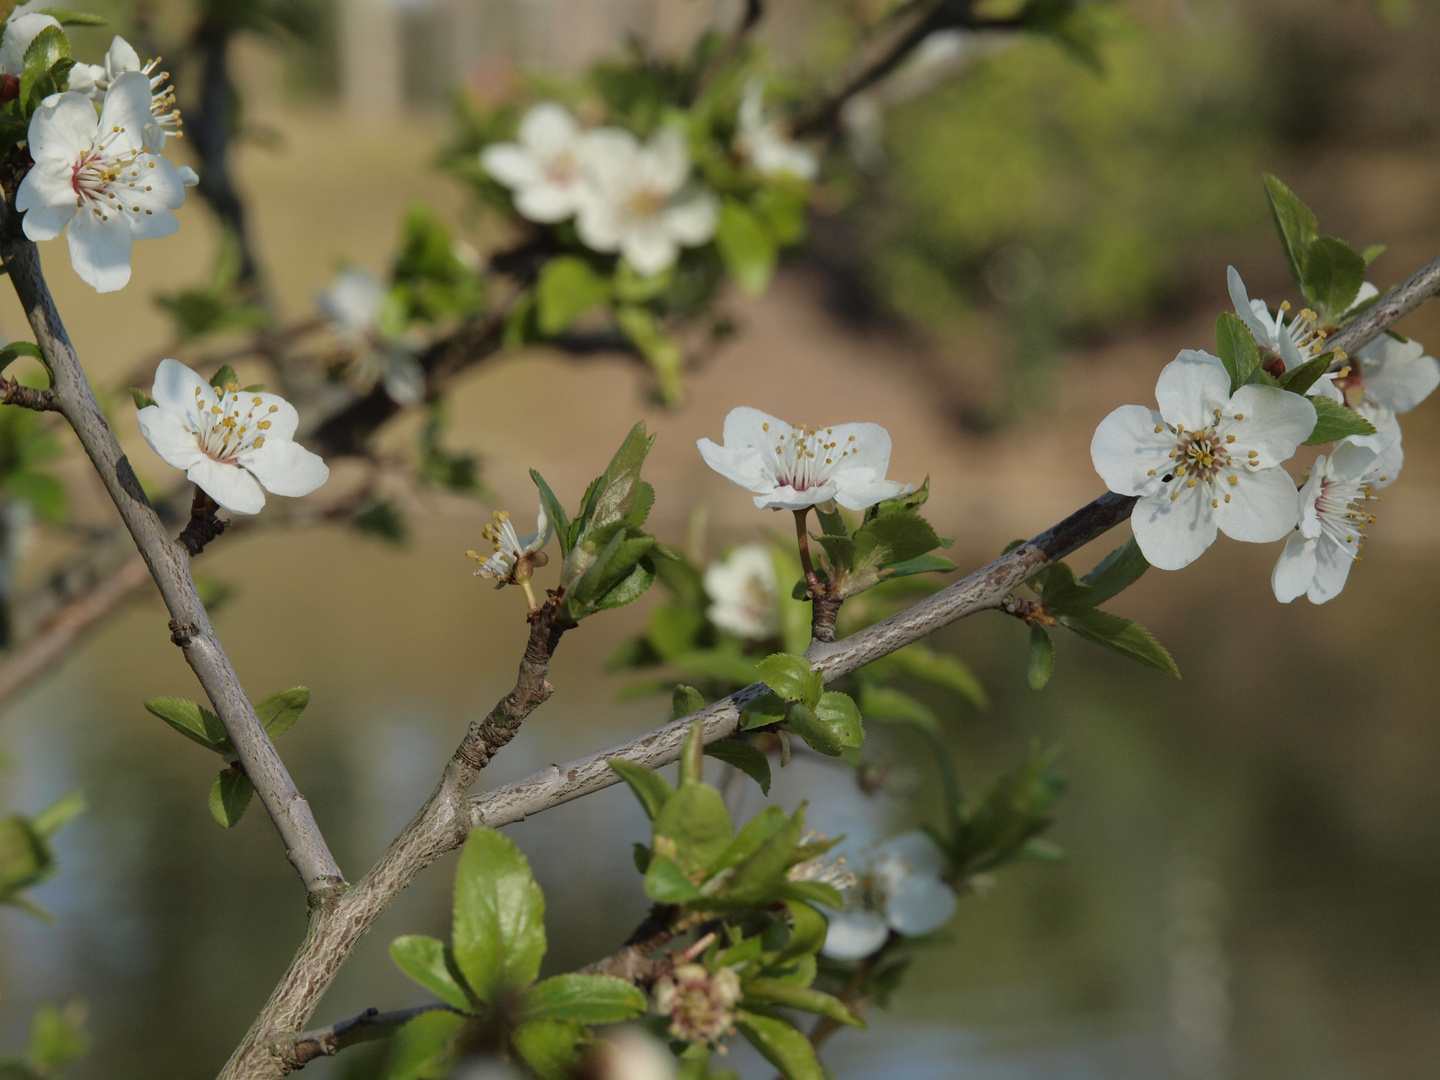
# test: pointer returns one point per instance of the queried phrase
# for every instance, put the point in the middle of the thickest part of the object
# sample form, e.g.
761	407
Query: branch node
203	526
27	397
180	633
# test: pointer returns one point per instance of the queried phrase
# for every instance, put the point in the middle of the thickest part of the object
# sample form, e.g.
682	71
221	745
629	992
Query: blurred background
1252	881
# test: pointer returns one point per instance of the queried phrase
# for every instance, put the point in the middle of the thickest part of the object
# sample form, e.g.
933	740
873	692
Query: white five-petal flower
763	142
897	887
1294	342
790	468
93	80
353	303
545	166
234	445
1333	519
743	589
1384	379
1206	460
100	178
636	200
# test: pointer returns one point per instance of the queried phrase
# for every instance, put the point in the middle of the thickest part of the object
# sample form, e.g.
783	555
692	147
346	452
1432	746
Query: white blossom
898	887
1293	342
1206	460
93	80
1383	380
764	143
100	178
353	305
235	445
790	468
699	1003
353	302
544	167
743	589
1333	519
513	558
21	30
630	1053
636	200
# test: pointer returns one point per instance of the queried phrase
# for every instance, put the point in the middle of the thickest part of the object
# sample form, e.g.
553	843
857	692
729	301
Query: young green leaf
567	289
894	538
780	1044
1124	636
498	931
745	246
193	721
430	963
660	350
1298	380
838	712
224	377
588	999
686	699
229	796
819	736
1116	572
886	704
649	786
791	677
1294	222
1237	349
554	511
56	1039
1334	421
940	669
1373	252
764	711
698	823
1042	658
744	757
666	883
423	1047
58	814
1333	276
775	992
280	710
550	1047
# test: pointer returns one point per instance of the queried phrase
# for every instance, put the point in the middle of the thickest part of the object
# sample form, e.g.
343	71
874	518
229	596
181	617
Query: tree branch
27	397
370	1024
1389	309
190	625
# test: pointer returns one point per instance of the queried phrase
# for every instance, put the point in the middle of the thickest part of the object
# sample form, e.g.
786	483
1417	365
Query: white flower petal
121	58
1241	299
188	176
47	199
63	128
174	389
786	497
229	485
126	107
285	468
919	853
1173	533
1309	518
548	128
169	436
854	934
280	413
547	202
863	494
598	225
741	465
1191	387
1275	423
1332	568
1263	506
648	248
1404	376
919	905
692	221
667	159
1129	454
511	164
100	250
1295	569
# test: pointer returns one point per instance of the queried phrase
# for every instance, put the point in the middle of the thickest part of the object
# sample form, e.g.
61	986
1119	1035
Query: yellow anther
1150	473
259	441
1217	414
216	409
1239	416
257	401
1285	305
1159	428
1234	480
1227	496
1214	502
1174	495
1190	483
263	425
1229	438
765	426
274	408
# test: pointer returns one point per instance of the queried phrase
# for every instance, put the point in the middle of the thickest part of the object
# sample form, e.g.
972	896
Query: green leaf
761	874
193	721
56	1039
698	823
550	1047
1294	222
753	834
1373	252
229	796
674	631
774	992
1042	658
142	398
763	711
666	883
1124	636
940	669
921	564
612	498
661	351
791	677
1237	349
889	705
567	289
424	1047
1334	421
431	964
1333	276
1300	379
744	757
280	710
587	999
554	511
16	349
649	786
894	538
812	892
684	701
808	933
45	56
802	720
498	933
1116	572
745	246
634	287
780	1044
837	711
839	552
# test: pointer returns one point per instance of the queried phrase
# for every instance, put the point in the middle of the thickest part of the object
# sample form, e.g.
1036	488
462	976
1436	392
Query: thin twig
27	397
189	624
370	1024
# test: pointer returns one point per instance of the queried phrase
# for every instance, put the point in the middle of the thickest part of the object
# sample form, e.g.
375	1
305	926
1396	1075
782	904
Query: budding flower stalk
700	1004
513	558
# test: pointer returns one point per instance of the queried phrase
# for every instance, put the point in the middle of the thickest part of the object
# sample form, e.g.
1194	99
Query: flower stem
802	536
824	605
530	596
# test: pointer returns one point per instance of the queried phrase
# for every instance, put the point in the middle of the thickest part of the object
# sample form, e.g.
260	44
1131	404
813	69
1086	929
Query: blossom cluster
96	151
638	198
1210	459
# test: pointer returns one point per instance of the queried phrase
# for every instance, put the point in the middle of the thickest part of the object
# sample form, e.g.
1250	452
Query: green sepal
224	377
555	511
774	992
142	398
